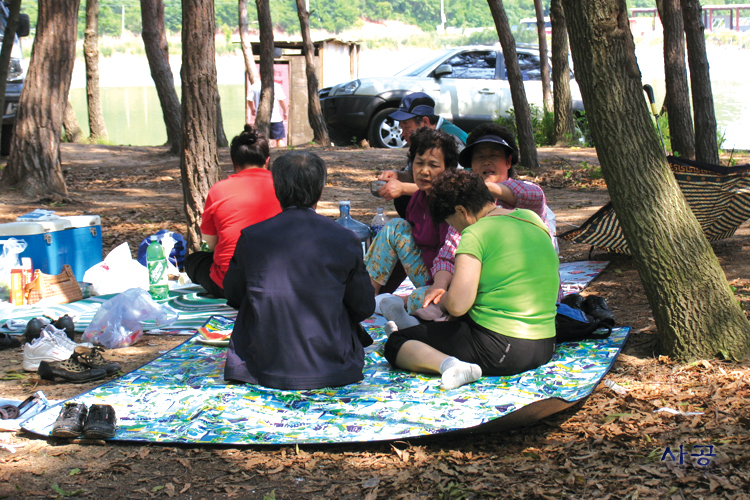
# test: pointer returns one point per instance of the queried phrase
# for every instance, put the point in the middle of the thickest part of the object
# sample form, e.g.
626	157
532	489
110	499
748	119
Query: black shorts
464	339
277	131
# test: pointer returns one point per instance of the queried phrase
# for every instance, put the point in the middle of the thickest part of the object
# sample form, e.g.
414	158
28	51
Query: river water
133	115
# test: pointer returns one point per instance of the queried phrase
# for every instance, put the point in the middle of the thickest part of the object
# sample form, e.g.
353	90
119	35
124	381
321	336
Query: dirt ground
608	446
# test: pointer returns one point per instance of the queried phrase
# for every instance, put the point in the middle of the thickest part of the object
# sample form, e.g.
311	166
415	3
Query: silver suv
469	85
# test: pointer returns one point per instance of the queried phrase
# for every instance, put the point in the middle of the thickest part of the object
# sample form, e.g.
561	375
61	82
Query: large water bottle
158	281
378	222
361	230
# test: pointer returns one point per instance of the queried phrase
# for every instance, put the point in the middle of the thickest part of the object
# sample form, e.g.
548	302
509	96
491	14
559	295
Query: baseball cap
414	104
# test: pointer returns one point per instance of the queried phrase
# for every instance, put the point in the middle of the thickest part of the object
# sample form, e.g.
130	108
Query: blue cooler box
75	240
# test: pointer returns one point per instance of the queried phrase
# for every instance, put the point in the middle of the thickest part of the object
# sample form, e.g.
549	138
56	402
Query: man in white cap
415	111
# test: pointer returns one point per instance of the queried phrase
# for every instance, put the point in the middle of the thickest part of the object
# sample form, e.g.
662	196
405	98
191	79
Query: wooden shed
336	61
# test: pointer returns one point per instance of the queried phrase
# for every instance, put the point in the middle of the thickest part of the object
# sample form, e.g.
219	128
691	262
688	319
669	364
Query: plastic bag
9	259
119	321
116	273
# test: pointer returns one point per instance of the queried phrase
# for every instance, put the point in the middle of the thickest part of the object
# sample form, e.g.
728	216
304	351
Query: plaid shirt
527	194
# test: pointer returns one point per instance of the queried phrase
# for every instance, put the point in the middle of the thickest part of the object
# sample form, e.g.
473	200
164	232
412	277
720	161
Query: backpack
574	325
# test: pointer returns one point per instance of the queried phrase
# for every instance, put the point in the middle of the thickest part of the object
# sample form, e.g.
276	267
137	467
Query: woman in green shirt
503	291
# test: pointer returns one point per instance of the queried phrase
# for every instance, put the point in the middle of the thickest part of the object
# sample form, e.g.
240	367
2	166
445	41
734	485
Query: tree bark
34	162
706	147
541	30
695	311
563	102
198	161
221	137
14	9
247	48
526	142
157	53
263	114
73	131
314	112
675	75
97	128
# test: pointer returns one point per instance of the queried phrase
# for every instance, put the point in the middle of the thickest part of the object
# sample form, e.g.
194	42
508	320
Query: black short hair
249	148
457	187
298	179
425	138
500	131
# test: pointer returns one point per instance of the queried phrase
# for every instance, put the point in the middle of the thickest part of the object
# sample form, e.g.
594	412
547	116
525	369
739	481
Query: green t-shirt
520	277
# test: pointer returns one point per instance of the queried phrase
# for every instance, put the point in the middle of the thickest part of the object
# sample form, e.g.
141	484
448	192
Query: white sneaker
62	338
45	348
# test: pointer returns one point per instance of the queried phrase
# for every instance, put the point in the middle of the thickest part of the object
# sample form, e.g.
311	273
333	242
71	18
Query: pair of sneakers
51	346
97	422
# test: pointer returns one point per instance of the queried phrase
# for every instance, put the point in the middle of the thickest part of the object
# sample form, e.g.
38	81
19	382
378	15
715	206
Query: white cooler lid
83	220
31	228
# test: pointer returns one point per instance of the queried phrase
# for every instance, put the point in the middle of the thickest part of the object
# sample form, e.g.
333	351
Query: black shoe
101	422
8	342
66	323
596	307
69	423
34	328
573	300
91	357
70	370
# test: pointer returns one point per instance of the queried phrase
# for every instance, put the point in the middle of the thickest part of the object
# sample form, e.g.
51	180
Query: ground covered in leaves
638	444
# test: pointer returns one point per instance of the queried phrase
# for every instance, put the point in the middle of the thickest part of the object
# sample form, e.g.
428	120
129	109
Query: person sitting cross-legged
503	292
301	288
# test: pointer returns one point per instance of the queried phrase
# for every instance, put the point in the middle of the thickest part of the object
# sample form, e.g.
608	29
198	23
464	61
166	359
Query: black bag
574	325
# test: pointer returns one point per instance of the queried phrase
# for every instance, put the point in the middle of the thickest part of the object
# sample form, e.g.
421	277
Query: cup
375	187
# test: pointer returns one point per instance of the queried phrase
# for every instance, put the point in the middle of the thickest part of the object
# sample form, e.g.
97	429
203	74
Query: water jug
361	230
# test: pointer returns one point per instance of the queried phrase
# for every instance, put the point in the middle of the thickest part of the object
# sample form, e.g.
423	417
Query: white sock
378	298
389	328
393	309
456	373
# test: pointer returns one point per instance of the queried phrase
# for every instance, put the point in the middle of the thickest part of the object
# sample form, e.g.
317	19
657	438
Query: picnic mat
194	310
181	397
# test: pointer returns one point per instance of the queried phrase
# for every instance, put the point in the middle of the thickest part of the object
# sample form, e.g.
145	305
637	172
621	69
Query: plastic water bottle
361	230
158	281
378	222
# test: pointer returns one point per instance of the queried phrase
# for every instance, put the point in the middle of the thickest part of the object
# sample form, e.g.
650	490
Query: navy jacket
301	287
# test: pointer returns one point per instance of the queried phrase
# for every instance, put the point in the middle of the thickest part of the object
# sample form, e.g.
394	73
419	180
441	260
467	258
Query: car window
530	66
415	69
478	65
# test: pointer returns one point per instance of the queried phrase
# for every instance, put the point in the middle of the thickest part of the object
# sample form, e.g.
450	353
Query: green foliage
542	123
583	129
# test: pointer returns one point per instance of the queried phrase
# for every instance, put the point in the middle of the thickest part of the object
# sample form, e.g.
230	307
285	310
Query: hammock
718	196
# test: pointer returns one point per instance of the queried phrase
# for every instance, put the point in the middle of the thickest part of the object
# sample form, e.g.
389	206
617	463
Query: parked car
16	76
469	84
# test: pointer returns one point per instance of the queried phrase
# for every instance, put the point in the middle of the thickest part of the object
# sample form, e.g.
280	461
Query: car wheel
384	132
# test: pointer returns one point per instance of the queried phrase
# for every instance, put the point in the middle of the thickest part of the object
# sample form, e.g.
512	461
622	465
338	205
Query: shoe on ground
8	342
66	324
34	328
573	300
92	358
70	370
62	338
69	423
44	348
596	307
101	422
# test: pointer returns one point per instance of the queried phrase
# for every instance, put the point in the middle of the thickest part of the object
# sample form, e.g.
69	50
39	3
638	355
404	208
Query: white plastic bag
116	273
9	259
118	322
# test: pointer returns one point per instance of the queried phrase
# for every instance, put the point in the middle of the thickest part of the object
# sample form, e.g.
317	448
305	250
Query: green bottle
158	280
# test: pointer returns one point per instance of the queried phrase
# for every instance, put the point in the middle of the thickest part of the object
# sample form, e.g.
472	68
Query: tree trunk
541	30
695	311
526	142
157	52
199	163
675	75
564	123
706	147
34	162
14	10
73	131
97	128
314	113
247	48
221	137
263	113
